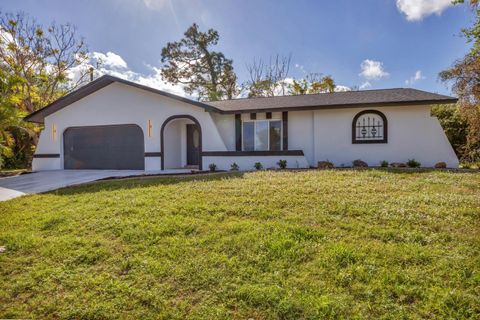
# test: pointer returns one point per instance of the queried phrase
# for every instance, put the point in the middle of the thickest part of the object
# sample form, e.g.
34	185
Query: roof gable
39	115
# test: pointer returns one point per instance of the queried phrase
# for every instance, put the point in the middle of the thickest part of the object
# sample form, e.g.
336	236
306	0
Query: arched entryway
181	142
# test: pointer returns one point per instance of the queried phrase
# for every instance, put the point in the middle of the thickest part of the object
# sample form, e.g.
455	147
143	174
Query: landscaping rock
440	165
398	165
359	164
325	165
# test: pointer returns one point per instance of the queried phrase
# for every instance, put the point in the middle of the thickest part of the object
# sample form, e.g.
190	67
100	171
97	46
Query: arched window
369	126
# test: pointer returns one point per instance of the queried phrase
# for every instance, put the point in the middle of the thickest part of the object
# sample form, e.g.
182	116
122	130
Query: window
262	135
369	126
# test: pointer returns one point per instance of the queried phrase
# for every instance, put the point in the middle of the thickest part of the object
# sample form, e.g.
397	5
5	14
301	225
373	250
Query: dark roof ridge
320	93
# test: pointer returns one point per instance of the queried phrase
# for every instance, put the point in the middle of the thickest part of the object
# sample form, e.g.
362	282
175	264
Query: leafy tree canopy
193	63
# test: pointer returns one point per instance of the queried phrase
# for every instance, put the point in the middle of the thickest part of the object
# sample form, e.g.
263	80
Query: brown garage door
104	147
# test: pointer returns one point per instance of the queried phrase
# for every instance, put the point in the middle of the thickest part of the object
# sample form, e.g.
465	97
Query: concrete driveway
38	182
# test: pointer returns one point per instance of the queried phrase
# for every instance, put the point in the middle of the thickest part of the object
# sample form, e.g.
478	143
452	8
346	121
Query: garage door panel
104	147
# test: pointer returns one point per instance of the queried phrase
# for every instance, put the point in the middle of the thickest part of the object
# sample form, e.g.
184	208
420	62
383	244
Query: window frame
255	131
354	128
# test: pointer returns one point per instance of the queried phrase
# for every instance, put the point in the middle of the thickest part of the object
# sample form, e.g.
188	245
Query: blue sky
399	43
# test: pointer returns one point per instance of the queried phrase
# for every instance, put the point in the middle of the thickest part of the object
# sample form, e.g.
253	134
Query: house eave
342	106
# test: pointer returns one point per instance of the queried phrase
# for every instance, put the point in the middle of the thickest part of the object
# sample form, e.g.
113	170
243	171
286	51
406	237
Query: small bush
440	165
412	163
258	166
212	167
384	164
325	165
282	164
359	164
234	167
398	165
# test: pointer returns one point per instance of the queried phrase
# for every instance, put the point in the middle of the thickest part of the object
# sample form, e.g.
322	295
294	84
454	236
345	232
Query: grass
265	245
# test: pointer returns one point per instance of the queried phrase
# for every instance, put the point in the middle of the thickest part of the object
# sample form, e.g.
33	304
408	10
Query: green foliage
10	116
472	33
258	166
234	167
412	163
35	63
192	63
454	124
212	167
282	164
311	244
464	75
384	164
313	83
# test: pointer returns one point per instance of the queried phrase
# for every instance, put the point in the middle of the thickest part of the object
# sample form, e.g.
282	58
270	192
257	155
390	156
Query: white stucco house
112	123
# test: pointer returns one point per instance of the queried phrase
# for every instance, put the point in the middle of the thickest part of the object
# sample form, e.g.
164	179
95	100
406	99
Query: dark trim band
252	153
153	154
46	155
343	106
238	132
285	130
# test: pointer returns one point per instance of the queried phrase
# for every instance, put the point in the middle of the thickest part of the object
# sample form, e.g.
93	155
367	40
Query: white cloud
416	10
416	77
373	70
109	60
365	85
340	88
114	65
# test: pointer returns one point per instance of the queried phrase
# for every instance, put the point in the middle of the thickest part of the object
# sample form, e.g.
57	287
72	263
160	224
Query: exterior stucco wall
321	134
121	104
412	134
225	124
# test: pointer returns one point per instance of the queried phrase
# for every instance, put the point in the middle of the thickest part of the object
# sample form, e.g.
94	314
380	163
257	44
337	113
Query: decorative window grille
369	126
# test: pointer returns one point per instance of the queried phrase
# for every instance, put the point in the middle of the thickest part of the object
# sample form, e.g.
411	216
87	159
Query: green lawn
265	245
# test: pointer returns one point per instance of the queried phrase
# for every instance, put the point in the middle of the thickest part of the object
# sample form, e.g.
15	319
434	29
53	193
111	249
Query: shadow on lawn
126	183
141	182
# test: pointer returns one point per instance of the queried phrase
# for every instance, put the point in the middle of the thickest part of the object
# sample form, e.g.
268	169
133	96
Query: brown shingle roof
348	99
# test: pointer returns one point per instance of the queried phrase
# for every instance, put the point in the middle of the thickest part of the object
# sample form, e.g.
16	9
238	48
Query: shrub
384	164
325	165
412	163
359	164
234	167
440	165
282	164
258	166
212	167
398	165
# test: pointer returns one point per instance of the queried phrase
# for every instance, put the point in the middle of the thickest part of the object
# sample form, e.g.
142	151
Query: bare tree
268	79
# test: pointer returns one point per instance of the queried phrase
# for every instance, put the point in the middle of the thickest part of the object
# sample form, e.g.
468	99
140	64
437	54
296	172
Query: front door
193	145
